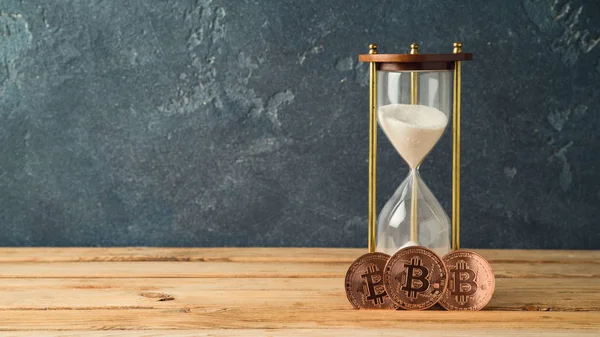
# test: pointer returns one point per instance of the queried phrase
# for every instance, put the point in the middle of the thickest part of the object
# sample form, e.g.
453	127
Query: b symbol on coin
463	284
415	278
471	281
374	280
364	283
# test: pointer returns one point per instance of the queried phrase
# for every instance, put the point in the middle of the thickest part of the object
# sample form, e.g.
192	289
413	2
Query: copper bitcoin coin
364	283
471	281
415	278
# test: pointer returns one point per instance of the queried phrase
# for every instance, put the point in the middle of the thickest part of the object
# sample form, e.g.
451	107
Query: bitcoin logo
364	283
374	280
471	281
464	284
416	278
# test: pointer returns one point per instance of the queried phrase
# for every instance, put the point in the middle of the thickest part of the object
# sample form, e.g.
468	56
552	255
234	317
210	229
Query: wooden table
273	292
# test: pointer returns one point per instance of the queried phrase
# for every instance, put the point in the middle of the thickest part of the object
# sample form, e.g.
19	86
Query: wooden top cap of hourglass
414	60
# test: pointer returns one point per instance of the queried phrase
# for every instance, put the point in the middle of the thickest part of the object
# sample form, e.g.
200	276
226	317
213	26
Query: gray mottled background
245	123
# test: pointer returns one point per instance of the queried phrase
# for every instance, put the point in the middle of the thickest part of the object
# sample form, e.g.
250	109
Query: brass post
414	78
414	99
456	151
372	151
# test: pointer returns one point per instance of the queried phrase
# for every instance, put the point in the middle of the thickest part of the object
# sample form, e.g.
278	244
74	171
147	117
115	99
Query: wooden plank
257	270
306	332
267	291
345	255
546	295
169	269
162	293
294	318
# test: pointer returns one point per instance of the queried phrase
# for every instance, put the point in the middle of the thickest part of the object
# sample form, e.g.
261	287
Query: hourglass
413	97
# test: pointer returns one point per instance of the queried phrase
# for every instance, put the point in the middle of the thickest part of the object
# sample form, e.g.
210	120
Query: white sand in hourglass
413	130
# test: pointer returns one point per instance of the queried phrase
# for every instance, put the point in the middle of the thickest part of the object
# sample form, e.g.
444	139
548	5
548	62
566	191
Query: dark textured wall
209	123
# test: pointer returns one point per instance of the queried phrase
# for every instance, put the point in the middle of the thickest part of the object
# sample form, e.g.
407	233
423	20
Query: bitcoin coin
364	283
471	281
415	278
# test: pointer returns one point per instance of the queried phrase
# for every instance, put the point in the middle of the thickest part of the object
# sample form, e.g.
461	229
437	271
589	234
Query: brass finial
457	47
414	48
372	49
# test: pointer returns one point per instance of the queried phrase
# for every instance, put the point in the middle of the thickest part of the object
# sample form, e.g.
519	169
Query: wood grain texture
259	270
144	293
282	318
341	332
345	255
272	291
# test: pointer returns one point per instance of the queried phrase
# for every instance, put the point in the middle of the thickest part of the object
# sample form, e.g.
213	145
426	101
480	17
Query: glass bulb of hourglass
413	216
